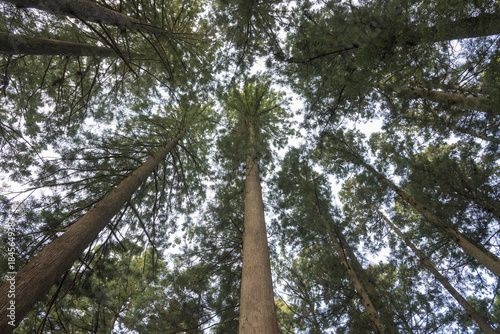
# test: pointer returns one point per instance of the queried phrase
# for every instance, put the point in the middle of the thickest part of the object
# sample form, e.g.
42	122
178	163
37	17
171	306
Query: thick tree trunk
89	11
479	319
353	275
483	256
35	279
257	308
15	44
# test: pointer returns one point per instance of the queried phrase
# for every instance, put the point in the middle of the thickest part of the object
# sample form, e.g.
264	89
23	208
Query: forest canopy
249	166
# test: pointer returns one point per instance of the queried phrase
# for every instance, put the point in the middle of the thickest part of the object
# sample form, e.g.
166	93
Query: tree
255	112
348	151
58	256
301	185
89	11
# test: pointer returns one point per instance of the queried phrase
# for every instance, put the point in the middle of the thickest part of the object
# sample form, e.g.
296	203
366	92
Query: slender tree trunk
479	319
15	44
36	278
461	101
89	11
257	307
386	315
485	257
353	275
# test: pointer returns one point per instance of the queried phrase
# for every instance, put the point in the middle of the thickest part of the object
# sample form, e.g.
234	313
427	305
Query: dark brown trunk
479	319
35	279
15	44
257	307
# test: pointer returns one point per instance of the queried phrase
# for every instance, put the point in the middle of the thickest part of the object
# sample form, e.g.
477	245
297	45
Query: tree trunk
387	316
89	11
257	307
479	319
353	275
36	278
442	125
483	256
460	101
478	26
15	44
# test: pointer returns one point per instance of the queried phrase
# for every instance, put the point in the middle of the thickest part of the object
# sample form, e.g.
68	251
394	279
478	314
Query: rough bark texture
35	279
257	308
15	44
353	275
479	319
483	256
88	11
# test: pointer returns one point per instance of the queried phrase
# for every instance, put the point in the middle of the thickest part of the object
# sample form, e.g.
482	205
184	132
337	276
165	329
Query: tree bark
353	275
15	44
479	26
460	101
36	278
478	318
89	11
257	307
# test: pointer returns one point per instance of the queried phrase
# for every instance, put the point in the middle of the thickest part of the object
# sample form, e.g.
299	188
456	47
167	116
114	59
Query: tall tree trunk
353	275
460	101
257	307
483	256
36	278
479	319
15	44
89	11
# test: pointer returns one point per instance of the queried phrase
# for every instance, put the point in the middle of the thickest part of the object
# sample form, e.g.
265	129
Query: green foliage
72	128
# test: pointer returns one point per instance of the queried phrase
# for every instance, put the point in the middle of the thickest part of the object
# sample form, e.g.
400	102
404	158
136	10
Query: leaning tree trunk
89	11
353	275
36	278
478	318
483	256
257	308
15	44
386	314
